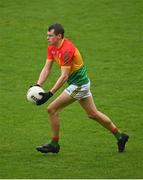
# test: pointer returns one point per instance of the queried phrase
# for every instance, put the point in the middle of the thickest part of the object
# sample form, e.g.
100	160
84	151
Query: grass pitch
109	35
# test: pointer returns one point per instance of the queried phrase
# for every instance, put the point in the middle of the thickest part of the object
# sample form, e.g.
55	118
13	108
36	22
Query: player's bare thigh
61	101
88	105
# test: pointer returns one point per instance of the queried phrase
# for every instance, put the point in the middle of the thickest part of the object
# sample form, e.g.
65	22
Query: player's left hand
45	97
34	85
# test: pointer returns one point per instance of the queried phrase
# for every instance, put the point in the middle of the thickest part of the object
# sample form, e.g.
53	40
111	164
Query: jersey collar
60	45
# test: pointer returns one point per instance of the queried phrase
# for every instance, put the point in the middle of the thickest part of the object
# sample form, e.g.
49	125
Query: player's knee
51	110
93	114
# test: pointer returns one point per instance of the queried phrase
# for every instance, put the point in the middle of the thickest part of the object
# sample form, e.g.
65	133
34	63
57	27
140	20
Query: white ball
33	94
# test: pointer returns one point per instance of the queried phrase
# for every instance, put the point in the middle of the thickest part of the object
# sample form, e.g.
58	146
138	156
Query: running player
73	71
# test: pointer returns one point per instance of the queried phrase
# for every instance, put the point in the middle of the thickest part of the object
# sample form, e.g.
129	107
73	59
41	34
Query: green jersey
78	77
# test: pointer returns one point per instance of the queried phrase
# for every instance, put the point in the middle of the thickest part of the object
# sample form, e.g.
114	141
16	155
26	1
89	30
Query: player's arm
45	72
65	70
62	79
67	58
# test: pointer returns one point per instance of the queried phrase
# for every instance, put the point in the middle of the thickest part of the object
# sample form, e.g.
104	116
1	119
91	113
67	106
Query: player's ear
60	36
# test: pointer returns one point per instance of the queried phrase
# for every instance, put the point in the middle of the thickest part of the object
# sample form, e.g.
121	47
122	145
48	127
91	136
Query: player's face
52	38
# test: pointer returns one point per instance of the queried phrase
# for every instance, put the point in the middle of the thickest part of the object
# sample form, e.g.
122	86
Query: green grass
109	35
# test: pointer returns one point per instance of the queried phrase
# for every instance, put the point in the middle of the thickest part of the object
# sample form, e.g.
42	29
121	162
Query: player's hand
35	85
45	97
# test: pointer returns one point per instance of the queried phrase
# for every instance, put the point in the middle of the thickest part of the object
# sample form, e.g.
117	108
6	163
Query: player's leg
53	110
92	112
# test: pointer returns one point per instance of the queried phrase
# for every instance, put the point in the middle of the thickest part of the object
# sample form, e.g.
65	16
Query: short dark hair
58	29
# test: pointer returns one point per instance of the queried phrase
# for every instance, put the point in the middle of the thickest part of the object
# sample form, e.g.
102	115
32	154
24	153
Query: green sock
55	143
117	133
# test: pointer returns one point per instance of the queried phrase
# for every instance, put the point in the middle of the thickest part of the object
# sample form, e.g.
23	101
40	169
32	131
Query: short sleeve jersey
65	55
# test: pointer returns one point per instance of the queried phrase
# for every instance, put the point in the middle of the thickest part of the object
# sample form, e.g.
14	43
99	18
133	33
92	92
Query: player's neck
59	43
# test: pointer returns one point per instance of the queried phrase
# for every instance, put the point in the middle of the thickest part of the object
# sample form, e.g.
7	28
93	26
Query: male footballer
73	71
